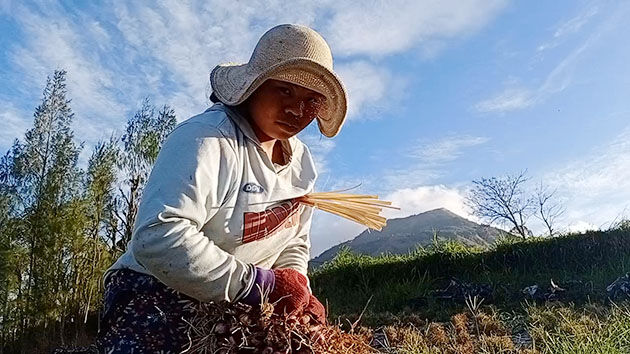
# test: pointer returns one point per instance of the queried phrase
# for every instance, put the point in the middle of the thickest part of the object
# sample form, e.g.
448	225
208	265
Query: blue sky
440	93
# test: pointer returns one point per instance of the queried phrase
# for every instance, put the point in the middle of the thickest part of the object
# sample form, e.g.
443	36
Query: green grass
591	329
393	281
397	290
554	328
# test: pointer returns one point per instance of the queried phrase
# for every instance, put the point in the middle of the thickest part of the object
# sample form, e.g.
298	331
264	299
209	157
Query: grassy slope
401	286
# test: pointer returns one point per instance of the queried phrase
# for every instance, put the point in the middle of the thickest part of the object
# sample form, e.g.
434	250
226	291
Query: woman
218	219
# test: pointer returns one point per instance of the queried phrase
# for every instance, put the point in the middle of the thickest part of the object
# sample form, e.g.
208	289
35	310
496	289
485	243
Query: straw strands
361	208
234	328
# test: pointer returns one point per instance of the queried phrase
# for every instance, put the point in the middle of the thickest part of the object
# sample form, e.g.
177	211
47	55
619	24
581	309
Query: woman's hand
316	310
290	294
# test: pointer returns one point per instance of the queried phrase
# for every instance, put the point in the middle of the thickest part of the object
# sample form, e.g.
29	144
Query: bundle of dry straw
362	208
234	328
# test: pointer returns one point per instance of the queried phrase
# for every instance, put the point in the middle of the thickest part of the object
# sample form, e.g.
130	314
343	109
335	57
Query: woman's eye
285	91
314	100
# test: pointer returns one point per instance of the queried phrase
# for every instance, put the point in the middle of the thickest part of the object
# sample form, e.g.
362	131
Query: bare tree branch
502	200
548	210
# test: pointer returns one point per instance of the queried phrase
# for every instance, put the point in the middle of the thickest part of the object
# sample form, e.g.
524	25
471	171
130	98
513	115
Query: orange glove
316	310
290	294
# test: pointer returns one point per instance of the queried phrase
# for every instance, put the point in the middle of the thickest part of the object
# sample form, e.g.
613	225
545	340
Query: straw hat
292	53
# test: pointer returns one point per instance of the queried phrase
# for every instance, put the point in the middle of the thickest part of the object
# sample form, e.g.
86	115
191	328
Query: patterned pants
142	315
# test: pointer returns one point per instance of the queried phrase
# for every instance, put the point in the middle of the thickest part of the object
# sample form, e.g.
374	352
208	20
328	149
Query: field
408	302
450	298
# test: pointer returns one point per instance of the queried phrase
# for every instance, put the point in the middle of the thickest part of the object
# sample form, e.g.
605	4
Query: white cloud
181	45
432	48
420	199
571	26
575	24
446	149
166	49
189	38
581	226
557	80
320	147
370	88
383	28
6	6
509	100
62	44
562	75
412	176
329	230
427	162
14	125
596	187
189	45
101	37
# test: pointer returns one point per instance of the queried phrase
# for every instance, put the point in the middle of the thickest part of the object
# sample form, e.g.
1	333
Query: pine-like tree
99	184
49	182
93	257
142	140
12	251
61	228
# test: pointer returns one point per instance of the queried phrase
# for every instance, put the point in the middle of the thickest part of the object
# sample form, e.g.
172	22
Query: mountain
405	234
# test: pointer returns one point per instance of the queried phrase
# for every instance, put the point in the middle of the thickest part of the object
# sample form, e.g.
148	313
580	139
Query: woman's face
280	110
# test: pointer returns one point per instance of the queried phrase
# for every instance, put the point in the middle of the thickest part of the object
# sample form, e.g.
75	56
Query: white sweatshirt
215	206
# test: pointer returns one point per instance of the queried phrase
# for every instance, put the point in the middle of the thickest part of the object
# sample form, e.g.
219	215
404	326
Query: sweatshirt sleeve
194	172
297	253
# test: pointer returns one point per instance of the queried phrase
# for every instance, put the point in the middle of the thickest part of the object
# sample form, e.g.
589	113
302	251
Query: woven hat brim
234	83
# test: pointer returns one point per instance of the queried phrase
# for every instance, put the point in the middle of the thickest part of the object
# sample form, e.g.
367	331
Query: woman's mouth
287	125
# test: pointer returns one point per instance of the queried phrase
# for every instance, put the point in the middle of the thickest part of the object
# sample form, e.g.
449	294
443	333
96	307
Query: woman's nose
296	108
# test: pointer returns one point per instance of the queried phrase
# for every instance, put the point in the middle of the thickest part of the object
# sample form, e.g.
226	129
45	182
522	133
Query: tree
141	143
91	252
548	209
56	220
502	200
48	183
12	253
99	184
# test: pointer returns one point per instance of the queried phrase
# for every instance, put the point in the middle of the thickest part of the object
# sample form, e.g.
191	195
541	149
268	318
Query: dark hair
214	98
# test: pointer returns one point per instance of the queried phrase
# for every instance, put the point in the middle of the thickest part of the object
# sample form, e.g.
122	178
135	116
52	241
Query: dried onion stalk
361	208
